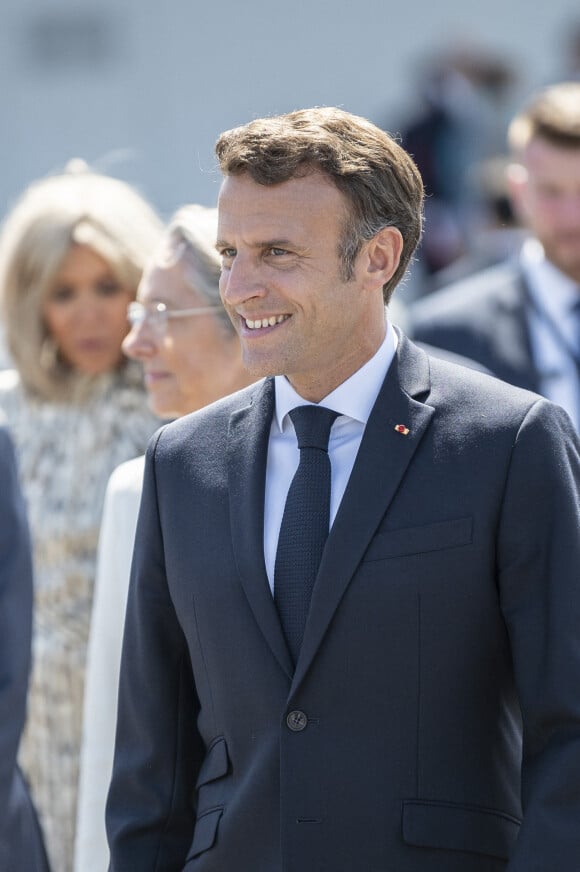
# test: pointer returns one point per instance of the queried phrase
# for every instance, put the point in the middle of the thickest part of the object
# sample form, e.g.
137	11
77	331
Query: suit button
296	721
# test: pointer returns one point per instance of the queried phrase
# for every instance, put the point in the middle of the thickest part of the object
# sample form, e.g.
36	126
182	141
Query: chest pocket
420	540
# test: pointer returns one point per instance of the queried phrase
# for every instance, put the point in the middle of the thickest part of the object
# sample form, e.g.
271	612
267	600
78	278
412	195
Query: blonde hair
78	207
553	115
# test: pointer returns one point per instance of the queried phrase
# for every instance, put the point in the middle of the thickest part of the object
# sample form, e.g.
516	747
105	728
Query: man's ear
383	253
517	182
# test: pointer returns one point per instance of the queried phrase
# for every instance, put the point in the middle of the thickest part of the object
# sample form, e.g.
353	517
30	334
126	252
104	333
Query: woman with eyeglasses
190	355
72	251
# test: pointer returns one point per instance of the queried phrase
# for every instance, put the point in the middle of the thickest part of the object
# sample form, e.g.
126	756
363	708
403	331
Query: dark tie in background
305	523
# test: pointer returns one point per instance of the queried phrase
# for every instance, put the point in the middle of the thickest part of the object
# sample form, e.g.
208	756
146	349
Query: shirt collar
354	398
555	292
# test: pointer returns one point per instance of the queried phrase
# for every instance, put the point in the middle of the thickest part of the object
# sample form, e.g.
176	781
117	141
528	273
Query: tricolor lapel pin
400	428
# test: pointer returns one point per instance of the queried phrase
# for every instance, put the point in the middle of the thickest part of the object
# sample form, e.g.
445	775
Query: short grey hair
190	238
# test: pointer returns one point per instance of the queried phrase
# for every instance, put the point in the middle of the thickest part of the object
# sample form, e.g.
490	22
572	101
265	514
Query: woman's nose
140	341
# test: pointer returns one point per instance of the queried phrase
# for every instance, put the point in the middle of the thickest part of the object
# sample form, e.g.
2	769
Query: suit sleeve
15	617
151	802
539	577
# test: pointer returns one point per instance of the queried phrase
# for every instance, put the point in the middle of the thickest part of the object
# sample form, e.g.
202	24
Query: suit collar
517	342
507	324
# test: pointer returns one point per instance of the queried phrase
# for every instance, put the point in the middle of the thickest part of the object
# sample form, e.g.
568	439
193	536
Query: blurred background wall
142	88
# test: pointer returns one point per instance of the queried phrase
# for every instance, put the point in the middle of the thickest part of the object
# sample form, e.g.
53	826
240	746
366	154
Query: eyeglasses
157	314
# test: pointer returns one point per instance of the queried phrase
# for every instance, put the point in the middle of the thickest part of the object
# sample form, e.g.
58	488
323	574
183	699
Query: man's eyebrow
266	243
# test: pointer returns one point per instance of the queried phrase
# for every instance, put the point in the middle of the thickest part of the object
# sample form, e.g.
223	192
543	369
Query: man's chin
261	367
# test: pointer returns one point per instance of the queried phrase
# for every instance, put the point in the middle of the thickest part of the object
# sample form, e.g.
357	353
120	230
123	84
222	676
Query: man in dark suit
21	847
521	319
412	702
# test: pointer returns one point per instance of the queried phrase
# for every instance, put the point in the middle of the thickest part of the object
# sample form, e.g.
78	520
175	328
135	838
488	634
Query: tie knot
312	425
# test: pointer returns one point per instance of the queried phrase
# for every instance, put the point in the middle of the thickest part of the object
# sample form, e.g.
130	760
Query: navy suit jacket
441	648
483	317
21	848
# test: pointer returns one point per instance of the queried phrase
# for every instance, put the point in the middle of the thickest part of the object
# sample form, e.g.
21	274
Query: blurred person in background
72	251
191	355
21	846
521	319
500	234
463	91
570	53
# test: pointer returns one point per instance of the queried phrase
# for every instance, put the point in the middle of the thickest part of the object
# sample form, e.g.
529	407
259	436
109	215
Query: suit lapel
513	336
247	453
382	460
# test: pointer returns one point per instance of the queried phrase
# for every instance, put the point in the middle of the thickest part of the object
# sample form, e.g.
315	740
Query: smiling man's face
282	285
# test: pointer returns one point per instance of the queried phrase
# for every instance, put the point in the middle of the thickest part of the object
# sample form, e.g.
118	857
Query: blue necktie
305	523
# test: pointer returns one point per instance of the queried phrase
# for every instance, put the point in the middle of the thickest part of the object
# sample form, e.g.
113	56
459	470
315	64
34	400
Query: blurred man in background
521	319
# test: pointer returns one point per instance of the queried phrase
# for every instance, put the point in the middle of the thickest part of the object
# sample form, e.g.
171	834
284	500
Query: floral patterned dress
66	453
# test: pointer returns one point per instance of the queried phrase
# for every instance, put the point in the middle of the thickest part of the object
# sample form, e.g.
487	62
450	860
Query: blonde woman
71	255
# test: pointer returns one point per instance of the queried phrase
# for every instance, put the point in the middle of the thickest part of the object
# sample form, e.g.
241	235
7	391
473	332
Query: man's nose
241	281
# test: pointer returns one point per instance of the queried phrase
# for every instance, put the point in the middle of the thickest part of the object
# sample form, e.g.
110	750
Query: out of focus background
141	89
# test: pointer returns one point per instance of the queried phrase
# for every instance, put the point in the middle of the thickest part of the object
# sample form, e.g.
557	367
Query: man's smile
260	323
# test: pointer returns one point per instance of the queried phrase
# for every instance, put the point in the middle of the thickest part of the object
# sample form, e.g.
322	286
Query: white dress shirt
553	295
353	400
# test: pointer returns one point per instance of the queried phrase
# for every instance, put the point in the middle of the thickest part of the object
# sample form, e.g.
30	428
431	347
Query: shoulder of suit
464	388
464	299
212	417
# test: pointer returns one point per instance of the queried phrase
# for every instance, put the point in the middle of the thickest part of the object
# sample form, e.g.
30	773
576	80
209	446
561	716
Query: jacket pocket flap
205	832
459	828
216	762
417	540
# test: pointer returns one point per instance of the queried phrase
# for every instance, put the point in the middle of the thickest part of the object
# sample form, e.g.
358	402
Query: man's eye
278	252
228	253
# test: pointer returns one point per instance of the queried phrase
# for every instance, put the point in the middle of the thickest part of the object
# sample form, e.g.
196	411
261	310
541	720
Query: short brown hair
553	114
378	178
